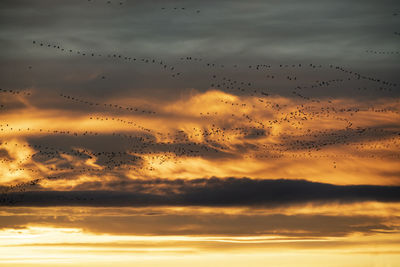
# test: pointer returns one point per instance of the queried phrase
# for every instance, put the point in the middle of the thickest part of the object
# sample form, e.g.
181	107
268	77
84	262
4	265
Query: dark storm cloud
206	192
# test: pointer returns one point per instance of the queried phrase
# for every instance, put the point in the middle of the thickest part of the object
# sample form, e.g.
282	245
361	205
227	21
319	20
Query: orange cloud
214	133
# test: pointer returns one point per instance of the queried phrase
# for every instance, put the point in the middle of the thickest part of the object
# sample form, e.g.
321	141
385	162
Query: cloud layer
205	192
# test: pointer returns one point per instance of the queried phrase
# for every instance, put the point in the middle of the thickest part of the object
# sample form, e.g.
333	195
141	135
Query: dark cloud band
205	192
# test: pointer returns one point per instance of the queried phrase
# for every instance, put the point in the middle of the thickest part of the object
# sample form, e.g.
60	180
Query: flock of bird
15	92
107	105
114	56
178	9
383	52
108	2
255	124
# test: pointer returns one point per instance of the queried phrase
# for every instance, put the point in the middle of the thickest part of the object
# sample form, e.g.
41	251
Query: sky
168	133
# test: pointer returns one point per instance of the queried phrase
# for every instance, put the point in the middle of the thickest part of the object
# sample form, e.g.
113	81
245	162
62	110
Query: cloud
204	135
205	224
205	192
285	32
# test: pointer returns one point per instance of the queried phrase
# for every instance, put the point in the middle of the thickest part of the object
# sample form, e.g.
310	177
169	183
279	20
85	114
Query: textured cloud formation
201	135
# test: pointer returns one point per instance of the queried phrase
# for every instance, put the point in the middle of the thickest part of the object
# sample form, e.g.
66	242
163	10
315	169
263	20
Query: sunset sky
199	133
